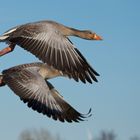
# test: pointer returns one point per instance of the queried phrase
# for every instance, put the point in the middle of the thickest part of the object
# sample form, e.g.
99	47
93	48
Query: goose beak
97	37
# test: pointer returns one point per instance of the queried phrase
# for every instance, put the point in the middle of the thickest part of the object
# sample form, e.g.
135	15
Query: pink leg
8	49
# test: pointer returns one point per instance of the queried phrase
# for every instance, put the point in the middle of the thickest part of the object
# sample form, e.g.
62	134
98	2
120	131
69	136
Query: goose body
30	83
48	40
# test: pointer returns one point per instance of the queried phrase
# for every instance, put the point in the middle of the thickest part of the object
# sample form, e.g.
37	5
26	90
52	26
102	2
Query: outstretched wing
55	49
41	96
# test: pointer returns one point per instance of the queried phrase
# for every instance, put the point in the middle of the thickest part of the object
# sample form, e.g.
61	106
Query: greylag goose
48	40
29	82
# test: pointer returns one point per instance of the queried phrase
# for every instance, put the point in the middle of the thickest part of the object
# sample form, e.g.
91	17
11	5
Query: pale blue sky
115	100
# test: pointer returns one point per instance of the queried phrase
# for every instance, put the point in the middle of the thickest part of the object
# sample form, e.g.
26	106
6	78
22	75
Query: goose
30	83
48	41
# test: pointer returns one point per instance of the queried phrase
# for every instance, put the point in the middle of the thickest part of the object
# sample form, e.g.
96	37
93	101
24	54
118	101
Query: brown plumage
49	41
29	82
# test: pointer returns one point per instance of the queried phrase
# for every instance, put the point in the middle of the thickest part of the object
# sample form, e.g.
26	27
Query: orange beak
97	37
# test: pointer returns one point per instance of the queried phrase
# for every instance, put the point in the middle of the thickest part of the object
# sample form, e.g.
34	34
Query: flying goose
29	82
48	40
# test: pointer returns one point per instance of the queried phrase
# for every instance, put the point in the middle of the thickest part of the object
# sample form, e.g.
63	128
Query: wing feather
56	50
40	95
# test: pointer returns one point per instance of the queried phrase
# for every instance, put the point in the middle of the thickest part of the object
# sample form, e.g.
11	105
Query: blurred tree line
44	134
34	134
